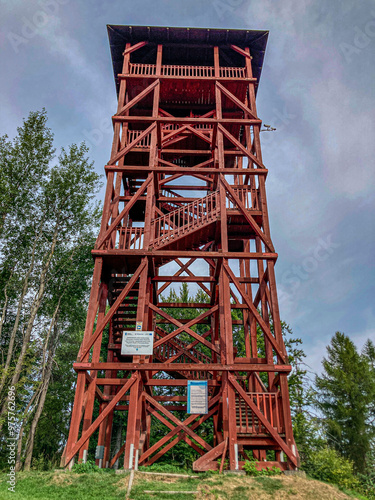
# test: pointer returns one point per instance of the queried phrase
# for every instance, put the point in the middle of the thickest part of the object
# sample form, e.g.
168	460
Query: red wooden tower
185	203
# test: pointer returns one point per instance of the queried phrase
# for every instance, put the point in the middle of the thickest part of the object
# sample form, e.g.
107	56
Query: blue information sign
197	396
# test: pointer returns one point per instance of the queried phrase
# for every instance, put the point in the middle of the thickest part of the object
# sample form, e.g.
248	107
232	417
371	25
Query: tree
345	393
48	222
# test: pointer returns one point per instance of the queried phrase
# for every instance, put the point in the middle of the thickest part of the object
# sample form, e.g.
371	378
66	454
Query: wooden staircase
193	220
247	423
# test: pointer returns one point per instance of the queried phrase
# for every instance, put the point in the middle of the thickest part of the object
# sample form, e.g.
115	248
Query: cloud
347	130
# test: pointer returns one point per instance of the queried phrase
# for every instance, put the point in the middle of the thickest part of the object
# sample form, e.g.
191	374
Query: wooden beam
100	418
183	367
135	47
100	327
266	330
138	98
240	51
124	212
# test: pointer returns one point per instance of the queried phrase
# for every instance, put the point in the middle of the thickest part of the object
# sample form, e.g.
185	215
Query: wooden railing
228	72
186	71
247	195
143	143
268	403
185	219
130	238
142	69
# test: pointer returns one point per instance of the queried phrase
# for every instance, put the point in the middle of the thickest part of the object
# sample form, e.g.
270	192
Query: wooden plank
135	47
250	367
172	254
213	79
186	119
241	51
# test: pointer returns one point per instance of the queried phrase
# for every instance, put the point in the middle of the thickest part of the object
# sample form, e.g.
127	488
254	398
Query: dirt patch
61	478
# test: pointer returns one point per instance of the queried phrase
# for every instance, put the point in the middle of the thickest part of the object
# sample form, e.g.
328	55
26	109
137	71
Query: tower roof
198	43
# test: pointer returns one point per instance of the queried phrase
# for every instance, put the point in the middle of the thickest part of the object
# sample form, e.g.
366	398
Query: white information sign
197	396
137	343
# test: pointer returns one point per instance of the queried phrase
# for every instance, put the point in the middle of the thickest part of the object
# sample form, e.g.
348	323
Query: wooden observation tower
185	202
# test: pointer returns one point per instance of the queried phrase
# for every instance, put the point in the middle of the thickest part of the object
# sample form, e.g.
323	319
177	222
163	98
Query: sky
317	90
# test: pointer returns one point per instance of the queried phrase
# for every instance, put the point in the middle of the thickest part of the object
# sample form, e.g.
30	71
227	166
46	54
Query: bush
85	467
41	463
251	470
327	465
367	484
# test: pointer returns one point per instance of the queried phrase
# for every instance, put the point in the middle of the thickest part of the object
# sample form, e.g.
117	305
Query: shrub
367	484
251	470
84	467
327	465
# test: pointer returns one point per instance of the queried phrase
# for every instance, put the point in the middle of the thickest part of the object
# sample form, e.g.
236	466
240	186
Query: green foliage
166	467
88	467
367	483
329	466
48	224
251	470
41	463
345	396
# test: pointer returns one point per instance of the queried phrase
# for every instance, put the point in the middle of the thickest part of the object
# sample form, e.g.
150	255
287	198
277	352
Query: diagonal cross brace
138	98
256	314
242	148
128	147
177	429
177	422
263	419
236	101
107	318
186	328
124	212
86	435
266	240
181	436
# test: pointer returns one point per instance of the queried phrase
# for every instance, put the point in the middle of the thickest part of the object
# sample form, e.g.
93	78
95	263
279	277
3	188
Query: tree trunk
22	428
18	317
5	306
46	377
33	312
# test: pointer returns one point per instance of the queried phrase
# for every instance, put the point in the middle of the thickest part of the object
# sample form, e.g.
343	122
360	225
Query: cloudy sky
317	89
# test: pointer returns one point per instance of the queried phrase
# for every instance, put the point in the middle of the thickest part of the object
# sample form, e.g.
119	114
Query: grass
110	486
51	486
269	485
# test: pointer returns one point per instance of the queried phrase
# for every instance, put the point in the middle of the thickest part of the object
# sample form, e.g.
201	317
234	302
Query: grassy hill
111	486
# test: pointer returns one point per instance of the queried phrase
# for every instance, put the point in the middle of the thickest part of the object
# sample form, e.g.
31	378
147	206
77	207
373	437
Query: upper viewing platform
187	52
